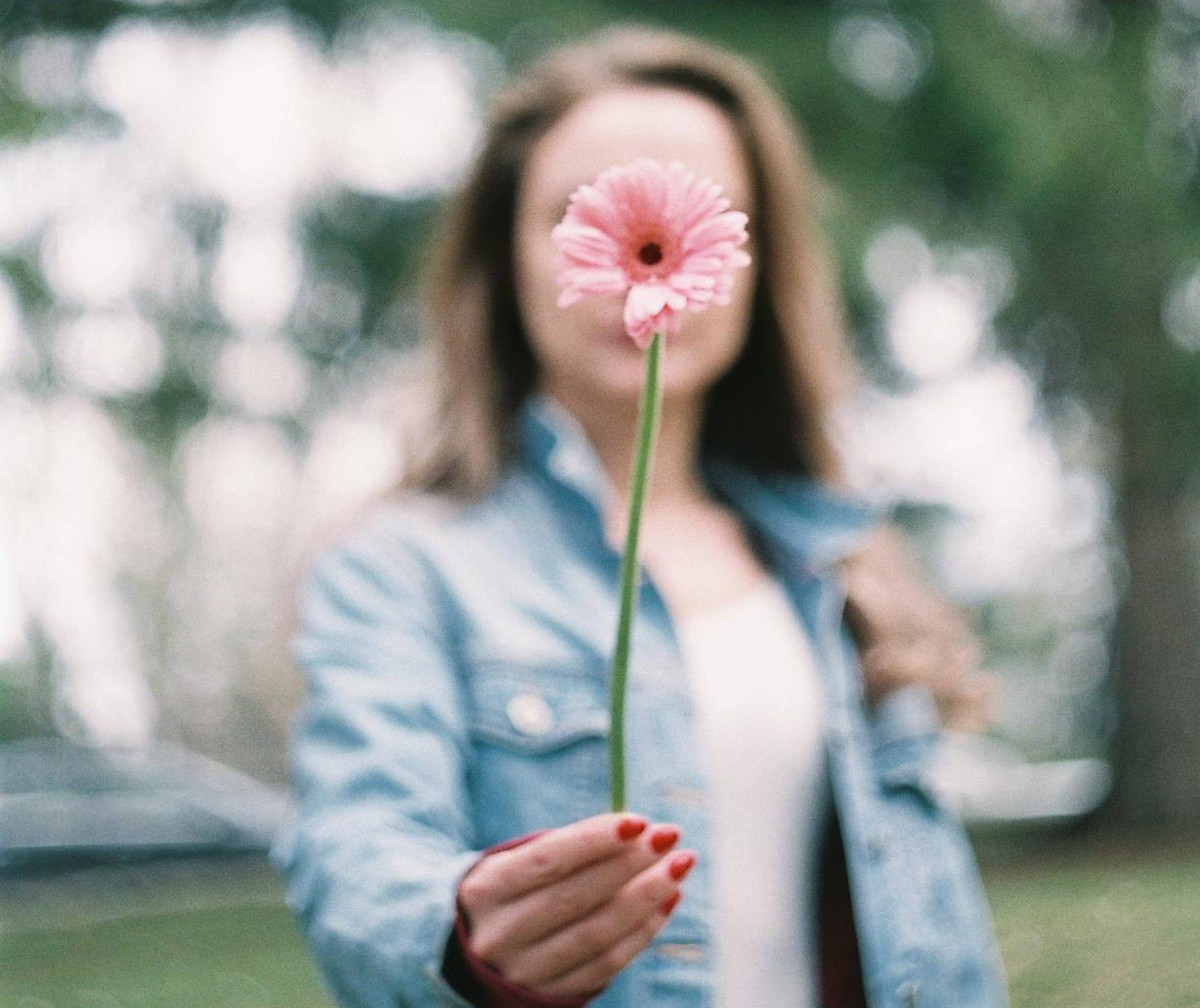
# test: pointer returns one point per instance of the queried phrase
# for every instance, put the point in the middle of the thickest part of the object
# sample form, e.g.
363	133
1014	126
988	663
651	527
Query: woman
451	845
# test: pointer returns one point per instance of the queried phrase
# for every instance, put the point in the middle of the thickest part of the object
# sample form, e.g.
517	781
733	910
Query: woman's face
583	349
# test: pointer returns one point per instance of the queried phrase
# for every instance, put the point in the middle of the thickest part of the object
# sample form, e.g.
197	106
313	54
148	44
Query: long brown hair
772	411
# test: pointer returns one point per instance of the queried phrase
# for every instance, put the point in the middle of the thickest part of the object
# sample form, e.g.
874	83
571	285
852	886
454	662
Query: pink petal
690	281
645	300
650	304
703	264
584	244
727	227
592	206
639	192
595	280
702	200
642	332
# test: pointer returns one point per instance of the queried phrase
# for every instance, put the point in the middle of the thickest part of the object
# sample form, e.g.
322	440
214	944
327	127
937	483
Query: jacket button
530	714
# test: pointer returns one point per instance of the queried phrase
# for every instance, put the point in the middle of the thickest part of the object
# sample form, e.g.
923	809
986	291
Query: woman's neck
611	427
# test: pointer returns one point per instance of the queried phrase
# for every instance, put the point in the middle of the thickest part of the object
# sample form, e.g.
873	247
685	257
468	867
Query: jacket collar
812	523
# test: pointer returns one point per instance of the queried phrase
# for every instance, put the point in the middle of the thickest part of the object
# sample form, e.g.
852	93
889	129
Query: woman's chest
699	557
536	668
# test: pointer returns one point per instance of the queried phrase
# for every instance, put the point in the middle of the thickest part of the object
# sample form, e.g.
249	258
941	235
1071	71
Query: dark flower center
650	253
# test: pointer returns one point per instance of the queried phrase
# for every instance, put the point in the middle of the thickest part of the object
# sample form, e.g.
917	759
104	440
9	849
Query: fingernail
628	828
681	864
670	901
665	838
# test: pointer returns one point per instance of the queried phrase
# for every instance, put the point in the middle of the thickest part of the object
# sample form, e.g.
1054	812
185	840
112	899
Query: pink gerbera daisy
656	232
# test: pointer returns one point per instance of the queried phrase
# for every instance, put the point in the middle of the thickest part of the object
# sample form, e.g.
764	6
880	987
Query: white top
758	701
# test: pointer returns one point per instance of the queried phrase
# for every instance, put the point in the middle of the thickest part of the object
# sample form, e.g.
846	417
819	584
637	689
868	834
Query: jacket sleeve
382	830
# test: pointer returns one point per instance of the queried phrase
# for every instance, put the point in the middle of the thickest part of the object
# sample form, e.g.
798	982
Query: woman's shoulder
365	562
383	527
407	526
409	513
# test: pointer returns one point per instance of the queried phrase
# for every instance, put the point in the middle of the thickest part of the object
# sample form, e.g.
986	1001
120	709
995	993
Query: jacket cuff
477	981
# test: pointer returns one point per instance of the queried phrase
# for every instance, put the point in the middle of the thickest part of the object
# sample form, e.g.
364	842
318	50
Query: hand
907	632
565	912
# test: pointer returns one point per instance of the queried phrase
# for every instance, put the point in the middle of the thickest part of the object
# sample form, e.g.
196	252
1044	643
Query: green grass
1102	930
245	957
189	933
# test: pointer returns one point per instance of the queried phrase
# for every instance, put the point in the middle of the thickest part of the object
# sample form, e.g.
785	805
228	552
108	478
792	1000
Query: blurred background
210	218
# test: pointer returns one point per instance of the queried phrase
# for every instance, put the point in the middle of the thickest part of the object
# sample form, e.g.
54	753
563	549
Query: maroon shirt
840	970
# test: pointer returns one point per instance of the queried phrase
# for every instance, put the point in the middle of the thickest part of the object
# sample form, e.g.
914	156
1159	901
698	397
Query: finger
924	658
973	704
597	973
965	696
532	916
592	936
894	598
506	875
892	664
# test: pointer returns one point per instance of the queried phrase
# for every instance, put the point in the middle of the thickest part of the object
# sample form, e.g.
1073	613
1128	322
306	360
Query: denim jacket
456	667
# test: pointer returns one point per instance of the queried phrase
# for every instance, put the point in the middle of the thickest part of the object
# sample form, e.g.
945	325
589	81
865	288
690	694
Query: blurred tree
1036	127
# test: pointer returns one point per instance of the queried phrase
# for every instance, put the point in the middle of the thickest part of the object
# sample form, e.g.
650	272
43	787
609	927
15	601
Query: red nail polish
664	839
627	829
681	864
669	903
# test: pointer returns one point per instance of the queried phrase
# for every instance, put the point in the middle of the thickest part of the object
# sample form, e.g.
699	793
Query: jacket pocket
539	733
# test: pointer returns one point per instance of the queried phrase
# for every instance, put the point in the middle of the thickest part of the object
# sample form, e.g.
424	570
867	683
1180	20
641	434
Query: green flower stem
648	415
